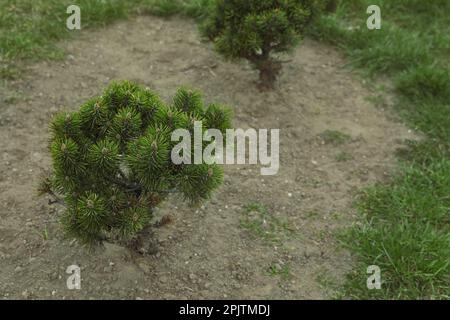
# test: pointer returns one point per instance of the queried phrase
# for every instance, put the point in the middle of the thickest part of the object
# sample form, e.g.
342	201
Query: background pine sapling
257	30
112	160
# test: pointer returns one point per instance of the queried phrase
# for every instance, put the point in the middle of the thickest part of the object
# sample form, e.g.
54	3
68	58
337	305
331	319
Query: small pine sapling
112	160
332	6
257	30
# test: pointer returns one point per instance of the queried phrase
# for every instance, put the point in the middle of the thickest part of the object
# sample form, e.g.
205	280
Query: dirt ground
207	252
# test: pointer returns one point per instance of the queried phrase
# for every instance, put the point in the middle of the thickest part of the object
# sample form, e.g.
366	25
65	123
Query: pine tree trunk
269	70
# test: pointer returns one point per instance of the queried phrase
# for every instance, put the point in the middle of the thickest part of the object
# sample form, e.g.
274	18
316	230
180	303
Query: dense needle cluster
112	159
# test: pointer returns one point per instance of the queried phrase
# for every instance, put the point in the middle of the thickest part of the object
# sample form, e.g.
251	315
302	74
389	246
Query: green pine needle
112	160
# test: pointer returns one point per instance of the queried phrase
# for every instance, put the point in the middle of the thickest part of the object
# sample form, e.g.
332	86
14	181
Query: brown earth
206	252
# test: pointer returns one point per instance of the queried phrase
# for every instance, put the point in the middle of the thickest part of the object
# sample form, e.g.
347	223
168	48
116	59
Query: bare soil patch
215	251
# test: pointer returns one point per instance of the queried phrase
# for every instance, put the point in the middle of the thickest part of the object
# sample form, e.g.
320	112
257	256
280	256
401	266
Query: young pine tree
257	30
332	6
112	160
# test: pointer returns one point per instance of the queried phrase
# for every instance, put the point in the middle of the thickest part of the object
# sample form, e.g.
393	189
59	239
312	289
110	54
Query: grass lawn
405	226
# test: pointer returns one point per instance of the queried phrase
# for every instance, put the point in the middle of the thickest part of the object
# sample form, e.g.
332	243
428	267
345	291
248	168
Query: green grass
275	270
405	225
263	224
43	234
12	97
343	157
191	8
425	83
30	29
